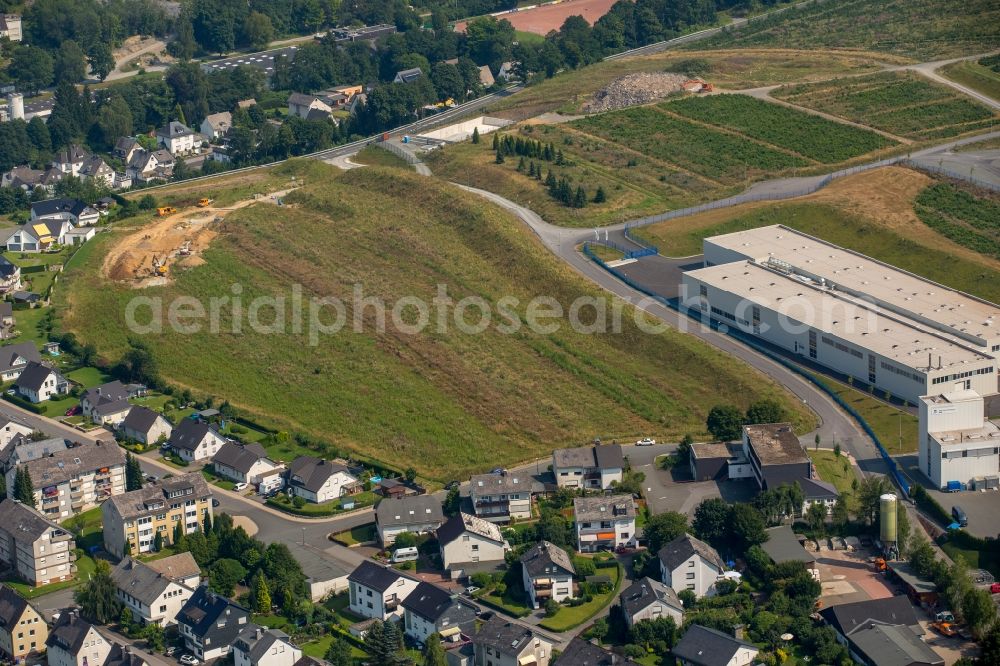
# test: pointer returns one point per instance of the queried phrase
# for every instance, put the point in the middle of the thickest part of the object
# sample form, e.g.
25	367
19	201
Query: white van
407	554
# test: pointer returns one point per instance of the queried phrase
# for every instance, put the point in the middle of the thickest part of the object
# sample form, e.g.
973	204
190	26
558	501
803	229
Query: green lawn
374	156
26	323
605	253
976	559
402	399
153	400
217	480
88	377
886	420
833	469
569	617
974	75
57	408
510	605
85	566
330	508
356	535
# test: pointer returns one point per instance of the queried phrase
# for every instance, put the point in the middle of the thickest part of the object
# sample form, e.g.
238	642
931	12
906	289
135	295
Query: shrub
551	607
299	502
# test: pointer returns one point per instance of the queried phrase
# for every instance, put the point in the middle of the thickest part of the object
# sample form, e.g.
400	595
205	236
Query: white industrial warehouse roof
870	329
858	273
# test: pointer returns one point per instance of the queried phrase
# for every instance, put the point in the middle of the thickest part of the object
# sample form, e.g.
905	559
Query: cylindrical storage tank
887	531
15	106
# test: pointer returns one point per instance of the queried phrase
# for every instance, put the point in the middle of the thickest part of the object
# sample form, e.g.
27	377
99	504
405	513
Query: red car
995	588
73	411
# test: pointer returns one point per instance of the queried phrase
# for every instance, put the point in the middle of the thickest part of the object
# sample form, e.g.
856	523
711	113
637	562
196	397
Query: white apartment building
73	480
153	597
378	591
470	543
35	548
500	497
547	573
604	522
687	563
594	467
75	642
957	442
257	646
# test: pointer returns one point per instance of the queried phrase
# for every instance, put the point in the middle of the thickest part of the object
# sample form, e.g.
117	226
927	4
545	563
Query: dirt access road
173	241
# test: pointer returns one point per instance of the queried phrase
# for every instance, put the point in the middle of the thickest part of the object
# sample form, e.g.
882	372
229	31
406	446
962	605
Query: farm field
870	213
902	103
967	218
542	20
447	403
730	69
921	29
810	136
982	75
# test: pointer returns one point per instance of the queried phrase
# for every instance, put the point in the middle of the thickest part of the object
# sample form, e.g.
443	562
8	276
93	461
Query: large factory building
885	327
958	446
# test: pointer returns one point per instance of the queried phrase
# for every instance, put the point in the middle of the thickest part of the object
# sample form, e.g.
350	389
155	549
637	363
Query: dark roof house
440	608
212	618
678	551
375	576
702	646
545	558
849	618
584	653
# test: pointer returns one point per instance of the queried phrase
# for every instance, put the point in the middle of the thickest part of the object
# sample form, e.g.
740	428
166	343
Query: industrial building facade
870	337
957	443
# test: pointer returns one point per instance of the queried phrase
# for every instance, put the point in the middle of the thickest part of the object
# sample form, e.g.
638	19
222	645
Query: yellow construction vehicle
204	202
163	211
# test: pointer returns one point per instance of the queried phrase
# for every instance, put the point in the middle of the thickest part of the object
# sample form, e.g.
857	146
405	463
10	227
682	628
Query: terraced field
969	219
901	103
921	29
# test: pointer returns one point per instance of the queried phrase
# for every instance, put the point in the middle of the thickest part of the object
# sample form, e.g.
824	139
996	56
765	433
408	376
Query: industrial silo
887	524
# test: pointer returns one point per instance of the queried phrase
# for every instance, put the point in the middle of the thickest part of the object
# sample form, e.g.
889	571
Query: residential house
257	646
38	382
23	630
10	280
38	550
408	75
75	642
377	591
428	609
177	138
584	653
713	461
783	546
316	480
9	430
22	448
216	125
132	520
687	563
243	463
486	76
648	599
153	597
305	106
195	440
593	467
701	646
604	522
37	236
847	619
70	160
891	645
146	166
394	488
325	575
181	567
107	403
125	148
79	235
470	543
246	103
547	572
28	179
73	211
10	27
15	358
507	71
29	298
96	169
503	642
817	491
210	624
122	655
417	514
500	497
776	455
73	480
145	426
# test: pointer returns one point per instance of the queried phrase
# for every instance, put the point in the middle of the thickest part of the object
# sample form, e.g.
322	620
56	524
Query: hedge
24	404
930	505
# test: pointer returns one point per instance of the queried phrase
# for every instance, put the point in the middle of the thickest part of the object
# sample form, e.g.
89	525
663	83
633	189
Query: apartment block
37	549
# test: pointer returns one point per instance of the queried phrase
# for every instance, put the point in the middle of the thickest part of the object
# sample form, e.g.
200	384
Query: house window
690	576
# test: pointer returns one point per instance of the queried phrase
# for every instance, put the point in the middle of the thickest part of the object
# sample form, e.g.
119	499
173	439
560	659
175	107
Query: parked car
452	484
944	628
646	441
151	478
189	660
995	588
170	651
215	502
240	487
944	616
74	410
472	589
498	470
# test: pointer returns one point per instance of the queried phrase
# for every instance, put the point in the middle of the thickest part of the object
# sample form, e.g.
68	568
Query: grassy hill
922	29
446	403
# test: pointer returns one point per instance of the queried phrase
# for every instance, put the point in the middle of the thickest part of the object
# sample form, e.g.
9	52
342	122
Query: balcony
60	536
72	568
391	604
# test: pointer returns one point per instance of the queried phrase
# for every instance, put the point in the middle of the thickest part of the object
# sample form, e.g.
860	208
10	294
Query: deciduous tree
98	596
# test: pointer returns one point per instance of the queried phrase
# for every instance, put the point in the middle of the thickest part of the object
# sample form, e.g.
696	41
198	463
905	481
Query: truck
954	487
204	202
959	515
163	211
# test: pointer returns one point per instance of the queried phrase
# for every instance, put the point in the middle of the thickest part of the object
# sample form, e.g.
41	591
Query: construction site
173	240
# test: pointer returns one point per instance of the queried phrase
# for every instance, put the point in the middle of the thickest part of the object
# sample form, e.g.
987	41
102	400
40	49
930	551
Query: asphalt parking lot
658	274
263	60
980	507
672	490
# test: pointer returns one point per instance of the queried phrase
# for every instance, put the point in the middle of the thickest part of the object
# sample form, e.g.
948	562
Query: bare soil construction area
147	256
544	19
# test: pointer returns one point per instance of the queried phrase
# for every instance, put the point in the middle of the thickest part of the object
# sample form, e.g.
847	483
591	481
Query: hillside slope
446	403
